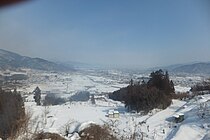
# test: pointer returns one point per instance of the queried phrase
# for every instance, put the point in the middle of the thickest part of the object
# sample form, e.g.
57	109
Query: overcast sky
129	33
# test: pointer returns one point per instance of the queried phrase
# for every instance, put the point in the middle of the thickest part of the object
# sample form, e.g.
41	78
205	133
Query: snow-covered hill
10	60
158	125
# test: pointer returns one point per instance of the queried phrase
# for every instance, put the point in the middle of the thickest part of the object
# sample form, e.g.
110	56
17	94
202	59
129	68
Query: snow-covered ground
94	81
71	83
156	125
181	89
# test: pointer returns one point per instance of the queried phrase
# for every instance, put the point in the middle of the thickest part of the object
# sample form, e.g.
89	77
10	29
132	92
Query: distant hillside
199	68
10	60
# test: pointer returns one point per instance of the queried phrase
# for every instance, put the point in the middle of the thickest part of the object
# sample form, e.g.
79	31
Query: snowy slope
156	125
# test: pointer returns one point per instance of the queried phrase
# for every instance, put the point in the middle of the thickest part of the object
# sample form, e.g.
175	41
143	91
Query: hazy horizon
139	34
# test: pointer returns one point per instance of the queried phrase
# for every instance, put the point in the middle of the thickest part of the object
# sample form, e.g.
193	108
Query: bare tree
46	111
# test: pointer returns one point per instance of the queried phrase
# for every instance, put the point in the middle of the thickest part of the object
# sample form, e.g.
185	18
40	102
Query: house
116	114
113	114
178	117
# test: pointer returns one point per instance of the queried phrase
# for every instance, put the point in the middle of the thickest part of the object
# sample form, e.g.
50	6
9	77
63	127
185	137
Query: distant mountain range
190	68
197	68
10	60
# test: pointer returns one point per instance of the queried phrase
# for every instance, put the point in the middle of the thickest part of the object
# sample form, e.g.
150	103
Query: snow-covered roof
177	115
116	112
110	113
180	114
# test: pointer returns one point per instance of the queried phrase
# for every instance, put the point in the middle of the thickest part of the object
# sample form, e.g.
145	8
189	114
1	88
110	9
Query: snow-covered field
71	83
156	125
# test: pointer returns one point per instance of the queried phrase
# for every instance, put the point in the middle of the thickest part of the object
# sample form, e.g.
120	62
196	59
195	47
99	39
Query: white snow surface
181	89
157	125
71	83
81	114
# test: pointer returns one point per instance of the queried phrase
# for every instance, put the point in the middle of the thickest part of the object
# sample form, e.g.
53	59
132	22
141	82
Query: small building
116	114
113	114
178	117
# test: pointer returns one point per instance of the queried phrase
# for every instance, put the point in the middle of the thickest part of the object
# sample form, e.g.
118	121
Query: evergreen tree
37	95
161	81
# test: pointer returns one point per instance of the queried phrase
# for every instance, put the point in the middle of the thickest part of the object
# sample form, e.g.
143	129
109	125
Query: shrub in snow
97	132
47	135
